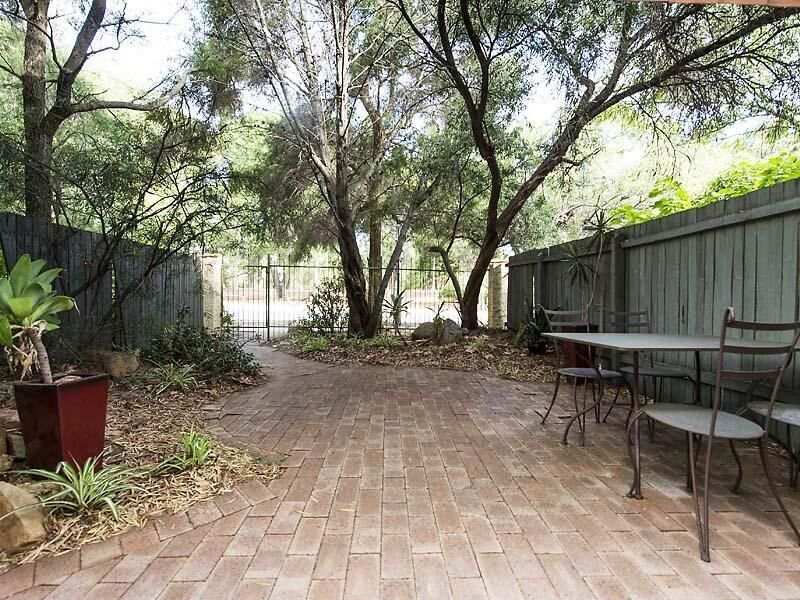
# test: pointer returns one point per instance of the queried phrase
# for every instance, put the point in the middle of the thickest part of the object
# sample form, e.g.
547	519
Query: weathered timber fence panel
685	269
124	292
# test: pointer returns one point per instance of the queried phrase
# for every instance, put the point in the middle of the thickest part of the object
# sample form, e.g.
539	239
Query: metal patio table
634	343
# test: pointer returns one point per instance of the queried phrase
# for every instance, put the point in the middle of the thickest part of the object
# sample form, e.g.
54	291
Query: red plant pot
578	355
63	422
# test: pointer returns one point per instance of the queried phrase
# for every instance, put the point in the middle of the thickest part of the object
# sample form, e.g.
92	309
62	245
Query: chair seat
589	373
665	372
697	419
782	412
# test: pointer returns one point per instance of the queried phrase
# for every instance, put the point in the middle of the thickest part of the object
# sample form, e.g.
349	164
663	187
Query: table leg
636	486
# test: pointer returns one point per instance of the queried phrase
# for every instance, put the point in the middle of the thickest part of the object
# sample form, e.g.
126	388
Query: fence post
495	299
212	290
617	283
538	282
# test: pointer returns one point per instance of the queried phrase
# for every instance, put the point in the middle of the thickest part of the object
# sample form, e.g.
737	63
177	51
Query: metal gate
263	300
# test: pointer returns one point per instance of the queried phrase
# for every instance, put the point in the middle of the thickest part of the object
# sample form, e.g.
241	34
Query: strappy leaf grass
84	489
195	449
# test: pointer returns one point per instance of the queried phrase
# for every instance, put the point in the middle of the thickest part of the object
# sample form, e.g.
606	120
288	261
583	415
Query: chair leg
553	400
700	520
613	403
635	457
735	488
762	450
692	460
595	402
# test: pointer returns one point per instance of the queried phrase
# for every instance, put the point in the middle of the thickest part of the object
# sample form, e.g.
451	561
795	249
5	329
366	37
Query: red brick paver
422	483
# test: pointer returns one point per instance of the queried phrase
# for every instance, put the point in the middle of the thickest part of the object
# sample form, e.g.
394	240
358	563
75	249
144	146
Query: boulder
16	444
450	332
6	462
424	331
24	528
118	364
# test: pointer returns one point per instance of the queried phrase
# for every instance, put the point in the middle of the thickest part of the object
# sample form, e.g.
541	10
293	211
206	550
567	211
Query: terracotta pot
537	347
578	355
63	422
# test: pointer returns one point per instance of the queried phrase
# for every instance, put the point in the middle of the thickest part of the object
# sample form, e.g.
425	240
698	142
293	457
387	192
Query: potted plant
531	329
62	418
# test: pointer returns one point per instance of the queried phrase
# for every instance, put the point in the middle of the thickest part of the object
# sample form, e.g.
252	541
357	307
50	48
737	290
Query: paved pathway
404	483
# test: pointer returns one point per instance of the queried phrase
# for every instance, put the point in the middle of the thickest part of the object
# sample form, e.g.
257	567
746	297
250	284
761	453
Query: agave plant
28	308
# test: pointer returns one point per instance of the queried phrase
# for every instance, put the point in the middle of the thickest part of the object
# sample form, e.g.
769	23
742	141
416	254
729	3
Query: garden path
426	483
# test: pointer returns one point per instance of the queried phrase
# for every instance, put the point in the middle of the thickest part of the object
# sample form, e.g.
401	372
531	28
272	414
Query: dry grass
141	431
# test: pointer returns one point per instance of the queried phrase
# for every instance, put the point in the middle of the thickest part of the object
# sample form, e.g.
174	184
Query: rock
16	444
118	364
424	331
450	333
24	528
3	442
6	462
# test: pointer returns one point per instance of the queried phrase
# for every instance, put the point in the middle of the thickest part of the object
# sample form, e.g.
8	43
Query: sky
166	29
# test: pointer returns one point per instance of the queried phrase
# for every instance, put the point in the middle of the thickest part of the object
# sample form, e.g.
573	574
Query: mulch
489	353
143	429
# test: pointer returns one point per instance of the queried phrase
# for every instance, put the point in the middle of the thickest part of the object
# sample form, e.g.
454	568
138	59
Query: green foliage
215	354
533	326
194	449
668	196
315	343
27	299
383	342
395	308
479	345
81	490
578	270
174	377
328	312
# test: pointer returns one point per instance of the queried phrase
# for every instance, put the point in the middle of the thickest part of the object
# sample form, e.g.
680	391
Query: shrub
214	353
315	343
328	312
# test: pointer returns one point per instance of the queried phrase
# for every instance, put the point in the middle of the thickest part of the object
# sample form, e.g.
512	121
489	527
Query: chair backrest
616	321
559	321
780	353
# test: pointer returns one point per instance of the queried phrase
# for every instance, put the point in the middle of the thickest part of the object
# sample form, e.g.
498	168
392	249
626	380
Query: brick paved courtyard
404	483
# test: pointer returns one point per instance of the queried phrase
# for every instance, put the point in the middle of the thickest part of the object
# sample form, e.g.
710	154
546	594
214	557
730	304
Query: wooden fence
125	292
685	269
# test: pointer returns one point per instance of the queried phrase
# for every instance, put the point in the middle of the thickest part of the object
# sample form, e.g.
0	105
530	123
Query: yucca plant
28	308
83	489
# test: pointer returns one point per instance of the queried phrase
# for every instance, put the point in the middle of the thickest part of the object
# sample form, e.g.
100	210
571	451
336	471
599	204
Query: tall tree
50	89
702	65
335	69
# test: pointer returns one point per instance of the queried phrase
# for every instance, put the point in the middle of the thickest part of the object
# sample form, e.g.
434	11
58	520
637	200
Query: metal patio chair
639	322
699	422
572	321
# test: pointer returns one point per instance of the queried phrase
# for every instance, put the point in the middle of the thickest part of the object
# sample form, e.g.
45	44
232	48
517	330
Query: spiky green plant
28	308
194	449
83	489
396	307
174	377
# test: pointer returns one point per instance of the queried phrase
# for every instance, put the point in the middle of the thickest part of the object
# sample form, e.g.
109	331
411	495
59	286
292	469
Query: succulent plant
28	308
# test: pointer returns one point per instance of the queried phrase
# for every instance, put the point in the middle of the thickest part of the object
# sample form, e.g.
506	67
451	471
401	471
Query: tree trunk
472	291
375	260
354	282
42	358
38	142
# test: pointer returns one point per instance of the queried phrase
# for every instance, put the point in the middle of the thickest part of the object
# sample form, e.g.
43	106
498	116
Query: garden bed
493	353
142	429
